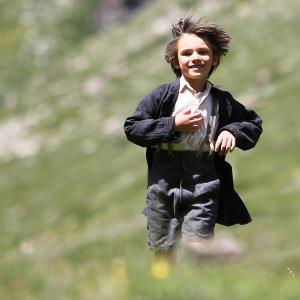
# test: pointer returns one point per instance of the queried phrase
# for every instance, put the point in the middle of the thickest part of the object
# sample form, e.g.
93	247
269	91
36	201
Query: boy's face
195	58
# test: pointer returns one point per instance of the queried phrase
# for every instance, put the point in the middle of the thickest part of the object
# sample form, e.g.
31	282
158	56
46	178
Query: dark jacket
152	124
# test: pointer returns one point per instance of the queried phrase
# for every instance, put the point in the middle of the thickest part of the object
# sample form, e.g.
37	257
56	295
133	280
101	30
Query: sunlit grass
70	220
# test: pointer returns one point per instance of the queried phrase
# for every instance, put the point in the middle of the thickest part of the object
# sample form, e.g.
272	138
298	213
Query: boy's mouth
196	67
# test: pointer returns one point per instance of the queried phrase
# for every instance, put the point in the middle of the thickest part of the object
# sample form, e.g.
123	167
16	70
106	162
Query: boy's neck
197	85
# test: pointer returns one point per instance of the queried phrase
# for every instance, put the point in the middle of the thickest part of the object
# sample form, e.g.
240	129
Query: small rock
221	248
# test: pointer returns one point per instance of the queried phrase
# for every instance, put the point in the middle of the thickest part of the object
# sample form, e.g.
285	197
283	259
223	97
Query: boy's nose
195	56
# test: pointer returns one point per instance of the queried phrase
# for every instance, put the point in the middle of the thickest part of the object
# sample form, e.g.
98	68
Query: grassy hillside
72	188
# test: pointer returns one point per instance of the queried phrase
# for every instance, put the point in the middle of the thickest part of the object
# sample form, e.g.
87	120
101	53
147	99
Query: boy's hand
225	142
187	122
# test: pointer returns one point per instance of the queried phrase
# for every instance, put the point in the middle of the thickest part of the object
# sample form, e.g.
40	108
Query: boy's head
216	39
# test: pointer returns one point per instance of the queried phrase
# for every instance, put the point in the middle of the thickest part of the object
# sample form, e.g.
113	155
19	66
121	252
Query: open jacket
152	124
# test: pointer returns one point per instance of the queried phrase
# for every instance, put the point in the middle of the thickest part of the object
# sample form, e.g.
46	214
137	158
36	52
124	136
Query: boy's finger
223	146
217	145
196	121
186	111
195	117
232	145
197	114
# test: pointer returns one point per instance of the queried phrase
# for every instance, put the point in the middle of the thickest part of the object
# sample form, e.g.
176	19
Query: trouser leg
200	190
162	196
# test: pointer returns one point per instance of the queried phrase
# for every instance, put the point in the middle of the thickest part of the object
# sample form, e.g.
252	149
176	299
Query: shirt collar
185	85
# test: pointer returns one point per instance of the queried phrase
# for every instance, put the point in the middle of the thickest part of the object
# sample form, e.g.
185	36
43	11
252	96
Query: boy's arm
143	128
244	124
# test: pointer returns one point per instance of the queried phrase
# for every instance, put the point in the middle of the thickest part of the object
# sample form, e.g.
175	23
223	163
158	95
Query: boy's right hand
186	121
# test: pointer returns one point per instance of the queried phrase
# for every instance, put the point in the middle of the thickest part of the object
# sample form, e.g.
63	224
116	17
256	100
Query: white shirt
189	98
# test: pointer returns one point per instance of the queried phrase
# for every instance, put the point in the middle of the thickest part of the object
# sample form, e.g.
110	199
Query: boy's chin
197	76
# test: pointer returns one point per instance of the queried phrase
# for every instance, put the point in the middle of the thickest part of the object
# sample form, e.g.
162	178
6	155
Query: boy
188	127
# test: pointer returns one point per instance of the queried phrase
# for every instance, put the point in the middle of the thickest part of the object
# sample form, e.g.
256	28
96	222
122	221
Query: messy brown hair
219	40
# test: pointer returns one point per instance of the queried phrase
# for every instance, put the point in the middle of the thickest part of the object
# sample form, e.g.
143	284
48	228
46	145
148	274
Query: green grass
70	220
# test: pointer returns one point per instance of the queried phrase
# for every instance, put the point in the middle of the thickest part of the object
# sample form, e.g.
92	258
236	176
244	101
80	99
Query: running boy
188	127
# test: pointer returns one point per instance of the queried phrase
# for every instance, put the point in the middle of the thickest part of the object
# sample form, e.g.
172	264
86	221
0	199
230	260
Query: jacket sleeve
244	124
144	128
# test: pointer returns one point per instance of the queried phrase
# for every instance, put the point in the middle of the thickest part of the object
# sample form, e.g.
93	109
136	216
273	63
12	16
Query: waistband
181	147
170	155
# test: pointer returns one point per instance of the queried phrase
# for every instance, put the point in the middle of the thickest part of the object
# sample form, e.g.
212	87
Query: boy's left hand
225	142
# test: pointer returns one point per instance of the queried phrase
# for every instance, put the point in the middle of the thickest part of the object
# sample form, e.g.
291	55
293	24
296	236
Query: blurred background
72	188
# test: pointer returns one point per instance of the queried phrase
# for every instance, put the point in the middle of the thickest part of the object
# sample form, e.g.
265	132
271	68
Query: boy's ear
175	64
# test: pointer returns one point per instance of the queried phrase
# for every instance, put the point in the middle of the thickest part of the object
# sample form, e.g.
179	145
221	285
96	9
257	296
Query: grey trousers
182	198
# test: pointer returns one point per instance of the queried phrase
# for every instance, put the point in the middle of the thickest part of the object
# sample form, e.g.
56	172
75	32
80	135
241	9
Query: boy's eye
202	52
186	53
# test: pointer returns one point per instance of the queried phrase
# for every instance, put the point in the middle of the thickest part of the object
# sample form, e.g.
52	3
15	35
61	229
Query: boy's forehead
191	40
